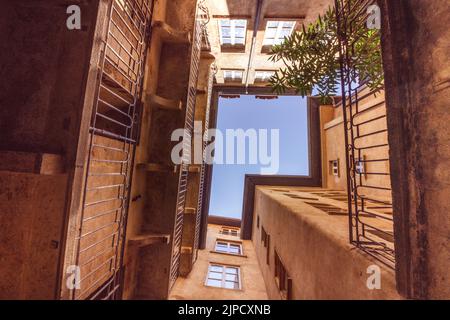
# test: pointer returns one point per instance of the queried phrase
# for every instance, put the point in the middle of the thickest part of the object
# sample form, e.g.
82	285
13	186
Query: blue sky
289	115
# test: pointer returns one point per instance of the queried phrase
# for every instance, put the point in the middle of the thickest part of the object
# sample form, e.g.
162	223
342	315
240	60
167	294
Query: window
233	75
282	279
232	32
224	276
230	231
334	167
228	247
276	31
263	76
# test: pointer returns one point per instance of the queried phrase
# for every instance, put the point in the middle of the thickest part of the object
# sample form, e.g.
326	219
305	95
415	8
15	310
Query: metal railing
367	147
201	188
114	122
187	138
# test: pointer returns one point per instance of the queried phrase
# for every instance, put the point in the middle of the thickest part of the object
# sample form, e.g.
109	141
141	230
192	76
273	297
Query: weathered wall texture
44	68
416	48
31	218
193	286
314	249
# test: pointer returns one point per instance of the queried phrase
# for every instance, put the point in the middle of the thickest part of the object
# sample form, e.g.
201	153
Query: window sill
229	254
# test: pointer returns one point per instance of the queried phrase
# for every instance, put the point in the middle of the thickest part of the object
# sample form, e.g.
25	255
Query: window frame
277	37
223	276
263	79
232	37
231	229
229	243
233	78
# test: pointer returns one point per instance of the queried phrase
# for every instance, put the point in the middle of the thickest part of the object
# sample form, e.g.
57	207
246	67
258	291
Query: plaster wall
193	286
314	249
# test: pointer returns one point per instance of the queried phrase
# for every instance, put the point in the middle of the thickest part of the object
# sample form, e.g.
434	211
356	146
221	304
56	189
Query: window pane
278	41
226	40
239	41
268	42
272	24
214	283
288	24
285	33
232	277
271	32
231	270
226	31
216	268
215	275
235	249
239	32
240	23
225	23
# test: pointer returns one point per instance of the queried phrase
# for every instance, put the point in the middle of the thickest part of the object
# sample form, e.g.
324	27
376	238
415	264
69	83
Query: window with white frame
276	31
230	247
233	75
229	231
232	32
263	75
224	276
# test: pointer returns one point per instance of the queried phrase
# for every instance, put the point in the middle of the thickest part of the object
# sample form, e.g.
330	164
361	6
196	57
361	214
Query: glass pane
268	42
231	270
240	23
278	41
226	41
285	33
232	277
225	23
214	283
235	249
288	24
231	285
216	268
215	275
271	32
239	32
239	41
226	32
272	24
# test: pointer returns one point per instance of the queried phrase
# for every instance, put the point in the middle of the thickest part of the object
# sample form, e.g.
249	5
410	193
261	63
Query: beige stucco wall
193	286
315	250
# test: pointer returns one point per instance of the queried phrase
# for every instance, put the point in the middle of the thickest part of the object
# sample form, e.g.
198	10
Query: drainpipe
253	46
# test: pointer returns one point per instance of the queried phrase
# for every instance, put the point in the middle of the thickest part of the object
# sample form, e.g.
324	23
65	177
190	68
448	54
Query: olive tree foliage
312	61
